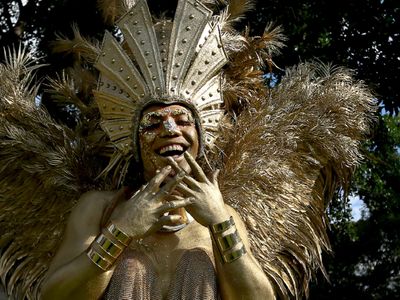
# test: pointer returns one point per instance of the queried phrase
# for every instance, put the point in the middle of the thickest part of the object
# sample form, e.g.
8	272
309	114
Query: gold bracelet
98	260
221	227
228	241
121	236
109	246
234	255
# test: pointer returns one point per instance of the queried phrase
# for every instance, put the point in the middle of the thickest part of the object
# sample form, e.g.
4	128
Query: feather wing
284	157
44	168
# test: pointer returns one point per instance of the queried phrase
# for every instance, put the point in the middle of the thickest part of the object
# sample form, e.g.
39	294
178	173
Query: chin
158	160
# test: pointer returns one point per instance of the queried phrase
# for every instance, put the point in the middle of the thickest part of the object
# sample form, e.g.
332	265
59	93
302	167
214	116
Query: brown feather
112	10
79	46
42	175
238	8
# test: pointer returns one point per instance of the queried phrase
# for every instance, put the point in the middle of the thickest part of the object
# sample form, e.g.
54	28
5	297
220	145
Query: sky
356	206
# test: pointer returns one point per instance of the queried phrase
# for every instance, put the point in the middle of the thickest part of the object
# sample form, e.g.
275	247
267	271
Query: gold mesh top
135	278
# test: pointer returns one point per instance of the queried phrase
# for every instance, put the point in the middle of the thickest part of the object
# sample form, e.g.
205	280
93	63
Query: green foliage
365	262
360	34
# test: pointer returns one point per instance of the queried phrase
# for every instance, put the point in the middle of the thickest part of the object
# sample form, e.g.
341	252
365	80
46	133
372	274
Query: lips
173	150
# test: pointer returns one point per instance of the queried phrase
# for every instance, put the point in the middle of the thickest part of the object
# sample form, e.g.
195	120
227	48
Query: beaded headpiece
167	62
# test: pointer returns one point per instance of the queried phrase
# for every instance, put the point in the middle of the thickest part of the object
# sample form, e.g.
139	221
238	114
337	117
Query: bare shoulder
96	196
92	199
89	208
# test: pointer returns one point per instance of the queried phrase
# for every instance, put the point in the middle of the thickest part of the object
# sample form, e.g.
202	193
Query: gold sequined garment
135	278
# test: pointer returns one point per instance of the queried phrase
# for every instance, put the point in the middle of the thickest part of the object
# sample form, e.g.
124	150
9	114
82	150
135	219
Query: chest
165	251
185	271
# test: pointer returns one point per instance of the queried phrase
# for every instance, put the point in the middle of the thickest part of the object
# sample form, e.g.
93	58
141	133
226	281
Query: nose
170	128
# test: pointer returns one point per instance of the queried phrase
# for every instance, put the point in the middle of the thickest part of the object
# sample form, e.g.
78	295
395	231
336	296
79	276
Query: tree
365	264
361	35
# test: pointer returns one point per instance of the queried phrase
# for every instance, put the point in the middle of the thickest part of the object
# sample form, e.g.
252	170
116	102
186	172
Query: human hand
143	213
207	205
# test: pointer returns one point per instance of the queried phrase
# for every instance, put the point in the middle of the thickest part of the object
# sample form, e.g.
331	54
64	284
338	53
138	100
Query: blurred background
363	35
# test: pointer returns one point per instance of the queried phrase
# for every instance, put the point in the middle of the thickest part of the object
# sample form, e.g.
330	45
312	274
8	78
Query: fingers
174	165
171	205
214	177
156	181
169	186
190	182
165	220
197	171
185	190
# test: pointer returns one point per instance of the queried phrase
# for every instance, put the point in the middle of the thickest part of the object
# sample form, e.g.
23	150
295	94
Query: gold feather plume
244	74
281	156
235	10
44	168
238	8
80	47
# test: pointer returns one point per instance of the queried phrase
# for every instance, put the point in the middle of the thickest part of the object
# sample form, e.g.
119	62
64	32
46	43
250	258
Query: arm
72	274
242	278
239	279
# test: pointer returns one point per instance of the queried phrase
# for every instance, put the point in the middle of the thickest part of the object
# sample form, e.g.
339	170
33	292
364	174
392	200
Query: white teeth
171	148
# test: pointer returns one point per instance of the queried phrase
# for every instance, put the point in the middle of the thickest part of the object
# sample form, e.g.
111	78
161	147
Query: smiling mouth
174	150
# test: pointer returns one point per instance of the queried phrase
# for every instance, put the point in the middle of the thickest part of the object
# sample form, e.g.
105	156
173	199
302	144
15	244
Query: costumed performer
161	111
178	100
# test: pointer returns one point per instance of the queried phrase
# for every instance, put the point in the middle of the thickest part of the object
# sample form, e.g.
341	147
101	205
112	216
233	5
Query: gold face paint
153	119
166	131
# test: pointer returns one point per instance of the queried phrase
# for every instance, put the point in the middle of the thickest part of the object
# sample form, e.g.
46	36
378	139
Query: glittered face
166	131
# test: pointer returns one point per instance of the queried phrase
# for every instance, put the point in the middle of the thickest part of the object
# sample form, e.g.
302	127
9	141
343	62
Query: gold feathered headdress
178	62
